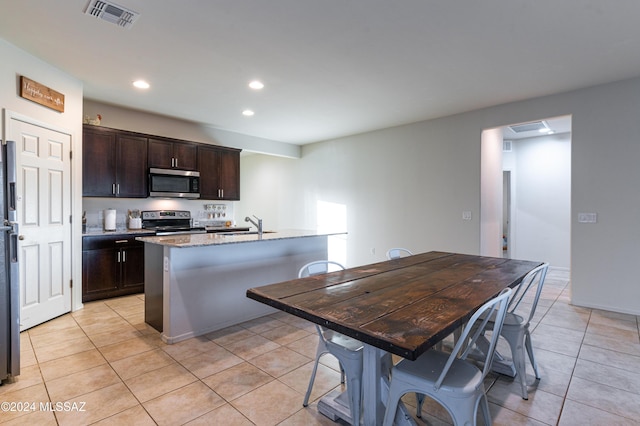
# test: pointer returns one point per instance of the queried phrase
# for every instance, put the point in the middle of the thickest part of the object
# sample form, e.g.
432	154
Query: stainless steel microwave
170	183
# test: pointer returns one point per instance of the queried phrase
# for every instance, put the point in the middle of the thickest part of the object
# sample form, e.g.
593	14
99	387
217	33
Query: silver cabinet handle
124	256
118	189
118	257
222	192
113	188
176	162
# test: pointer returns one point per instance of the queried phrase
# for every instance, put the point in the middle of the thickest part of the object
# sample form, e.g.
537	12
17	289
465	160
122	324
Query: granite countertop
210	228
98	232
210	239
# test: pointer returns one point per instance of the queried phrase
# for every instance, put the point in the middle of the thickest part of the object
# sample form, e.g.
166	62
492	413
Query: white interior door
44	208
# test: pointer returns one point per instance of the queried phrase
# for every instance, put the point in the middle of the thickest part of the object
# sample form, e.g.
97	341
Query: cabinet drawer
110	241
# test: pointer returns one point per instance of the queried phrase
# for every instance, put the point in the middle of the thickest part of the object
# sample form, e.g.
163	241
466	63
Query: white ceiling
330	67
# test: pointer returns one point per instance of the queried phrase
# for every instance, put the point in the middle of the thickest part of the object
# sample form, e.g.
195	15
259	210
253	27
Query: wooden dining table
402	306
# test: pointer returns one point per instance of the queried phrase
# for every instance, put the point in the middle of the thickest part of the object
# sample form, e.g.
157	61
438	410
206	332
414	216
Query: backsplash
203	212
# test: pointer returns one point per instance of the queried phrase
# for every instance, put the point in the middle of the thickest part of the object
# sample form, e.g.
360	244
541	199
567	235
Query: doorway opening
526	191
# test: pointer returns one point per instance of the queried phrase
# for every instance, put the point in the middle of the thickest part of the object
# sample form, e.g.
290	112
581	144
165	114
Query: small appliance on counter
110	219
135	221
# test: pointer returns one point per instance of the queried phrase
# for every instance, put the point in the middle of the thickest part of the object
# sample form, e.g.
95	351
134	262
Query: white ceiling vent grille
111	12
534	126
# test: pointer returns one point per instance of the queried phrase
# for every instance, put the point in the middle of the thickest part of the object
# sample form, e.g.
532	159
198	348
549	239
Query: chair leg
311	380
419	402
516	342
354	387
528	344
392	404
484	406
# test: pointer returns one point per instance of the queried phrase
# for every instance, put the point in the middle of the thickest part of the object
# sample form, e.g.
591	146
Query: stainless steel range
167	222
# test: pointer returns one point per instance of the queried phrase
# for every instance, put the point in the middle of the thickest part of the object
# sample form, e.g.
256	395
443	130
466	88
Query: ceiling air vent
534	126
111	12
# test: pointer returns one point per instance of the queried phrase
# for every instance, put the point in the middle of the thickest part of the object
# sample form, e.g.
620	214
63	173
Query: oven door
168	183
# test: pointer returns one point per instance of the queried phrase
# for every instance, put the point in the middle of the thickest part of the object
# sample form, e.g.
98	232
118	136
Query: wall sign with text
41	94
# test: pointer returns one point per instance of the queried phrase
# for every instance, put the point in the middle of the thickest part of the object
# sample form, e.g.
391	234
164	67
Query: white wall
541	212
400	186
16	62
409	185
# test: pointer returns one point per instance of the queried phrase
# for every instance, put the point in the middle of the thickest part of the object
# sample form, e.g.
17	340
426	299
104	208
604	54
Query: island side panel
153	279
205	287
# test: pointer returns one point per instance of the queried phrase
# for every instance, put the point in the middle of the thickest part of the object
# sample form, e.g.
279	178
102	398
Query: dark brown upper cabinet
168	154
114	163
219	173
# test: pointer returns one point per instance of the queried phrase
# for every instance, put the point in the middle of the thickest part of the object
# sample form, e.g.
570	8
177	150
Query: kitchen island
197	283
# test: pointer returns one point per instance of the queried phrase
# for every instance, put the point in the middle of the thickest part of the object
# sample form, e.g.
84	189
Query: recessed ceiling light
141	84
247	113
256	85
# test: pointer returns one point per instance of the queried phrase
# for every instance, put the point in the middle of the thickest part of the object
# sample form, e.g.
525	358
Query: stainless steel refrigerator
9	273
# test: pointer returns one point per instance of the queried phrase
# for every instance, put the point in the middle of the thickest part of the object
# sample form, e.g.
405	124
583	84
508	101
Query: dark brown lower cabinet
112	265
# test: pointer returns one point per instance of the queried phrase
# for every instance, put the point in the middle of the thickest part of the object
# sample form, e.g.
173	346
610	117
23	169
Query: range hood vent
534	126
112	13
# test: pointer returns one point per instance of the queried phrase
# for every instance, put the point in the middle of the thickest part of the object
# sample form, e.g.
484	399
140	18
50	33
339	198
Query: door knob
21	237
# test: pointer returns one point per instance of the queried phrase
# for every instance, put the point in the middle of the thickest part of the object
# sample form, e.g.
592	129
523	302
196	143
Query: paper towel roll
110	220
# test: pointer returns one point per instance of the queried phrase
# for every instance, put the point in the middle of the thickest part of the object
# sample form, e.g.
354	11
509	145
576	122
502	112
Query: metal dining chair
449	378
397	252
348	351
515	329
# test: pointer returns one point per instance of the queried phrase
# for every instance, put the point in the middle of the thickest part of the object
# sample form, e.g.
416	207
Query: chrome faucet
257	225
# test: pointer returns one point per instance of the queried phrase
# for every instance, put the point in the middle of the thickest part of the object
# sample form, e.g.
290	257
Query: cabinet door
160	154
132	267
185	156
99	159
219	173
166	154
100	273
208	168
229	174
132	170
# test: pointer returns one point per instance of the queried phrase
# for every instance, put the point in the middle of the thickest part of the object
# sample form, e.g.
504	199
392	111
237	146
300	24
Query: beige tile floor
104	360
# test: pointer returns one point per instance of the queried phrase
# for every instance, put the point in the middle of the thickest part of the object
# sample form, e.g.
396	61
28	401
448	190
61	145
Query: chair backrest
477	324
318	267
397	252
533	280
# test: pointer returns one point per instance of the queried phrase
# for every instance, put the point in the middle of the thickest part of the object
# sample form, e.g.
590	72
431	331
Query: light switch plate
587	217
